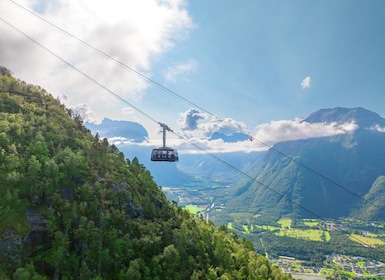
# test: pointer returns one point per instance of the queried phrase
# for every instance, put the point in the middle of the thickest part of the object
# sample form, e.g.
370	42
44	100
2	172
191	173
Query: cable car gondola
164	153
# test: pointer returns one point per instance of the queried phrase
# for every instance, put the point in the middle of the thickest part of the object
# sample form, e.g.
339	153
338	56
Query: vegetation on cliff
72	207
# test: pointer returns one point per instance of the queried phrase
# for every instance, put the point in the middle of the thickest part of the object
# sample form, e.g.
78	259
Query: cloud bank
197	128
287	130
135	33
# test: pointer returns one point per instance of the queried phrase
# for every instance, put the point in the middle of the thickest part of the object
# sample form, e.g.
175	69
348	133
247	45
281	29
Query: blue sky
253	57
258	65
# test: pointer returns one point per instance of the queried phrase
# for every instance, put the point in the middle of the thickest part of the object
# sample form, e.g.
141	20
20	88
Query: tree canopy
72	206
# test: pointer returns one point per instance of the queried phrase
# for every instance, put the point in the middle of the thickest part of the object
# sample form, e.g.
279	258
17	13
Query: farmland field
286	230
193	209
285	222
270	228
310	234
366	240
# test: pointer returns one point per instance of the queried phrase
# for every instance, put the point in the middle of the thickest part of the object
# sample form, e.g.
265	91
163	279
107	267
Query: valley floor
309	234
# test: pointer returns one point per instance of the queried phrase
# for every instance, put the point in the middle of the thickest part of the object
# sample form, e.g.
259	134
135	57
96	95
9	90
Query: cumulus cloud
285	130
173	73
199	124
135	33
266	135
227	126
201	127
84	111
378	128
189	119
306	82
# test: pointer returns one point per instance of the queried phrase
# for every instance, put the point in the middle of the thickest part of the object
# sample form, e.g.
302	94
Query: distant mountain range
331	177
132	131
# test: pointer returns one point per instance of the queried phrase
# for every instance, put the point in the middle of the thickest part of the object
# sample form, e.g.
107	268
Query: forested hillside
72	207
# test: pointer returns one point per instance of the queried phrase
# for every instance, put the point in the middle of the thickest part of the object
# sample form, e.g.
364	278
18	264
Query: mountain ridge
328	175
132	131
362	117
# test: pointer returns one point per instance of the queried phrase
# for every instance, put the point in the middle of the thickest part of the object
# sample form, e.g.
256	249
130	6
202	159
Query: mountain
330	177
365	119
132	131
72	206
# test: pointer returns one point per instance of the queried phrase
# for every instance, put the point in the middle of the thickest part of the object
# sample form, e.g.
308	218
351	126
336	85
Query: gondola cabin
164	153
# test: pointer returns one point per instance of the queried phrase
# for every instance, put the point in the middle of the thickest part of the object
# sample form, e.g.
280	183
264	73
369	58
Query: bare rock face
37	238
35	219
14	247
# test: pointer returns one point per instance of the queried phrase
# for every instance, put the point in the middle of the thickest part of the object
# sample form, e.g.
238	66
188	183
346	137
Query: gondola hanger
164	153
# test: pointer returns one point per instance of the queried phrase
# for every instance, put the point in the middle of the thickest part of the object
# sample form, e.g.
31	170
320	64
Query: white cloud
378	128
266	135
133	32
285	130
190	124
189	119
87	115
226	126
306	82
173	73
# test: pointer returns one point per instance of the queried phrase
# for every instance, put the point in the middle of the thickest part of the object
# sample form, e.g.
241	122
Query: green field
366	240
309	234
193	209
287	230
285	222
270	228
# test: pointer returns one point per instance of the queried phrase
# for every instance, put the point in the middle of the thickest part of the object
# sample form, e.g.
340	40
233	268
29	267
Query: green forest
72	206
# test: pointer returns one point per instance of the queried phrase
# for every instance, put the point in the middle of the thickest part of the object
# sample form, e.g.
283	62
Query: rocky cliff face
15	247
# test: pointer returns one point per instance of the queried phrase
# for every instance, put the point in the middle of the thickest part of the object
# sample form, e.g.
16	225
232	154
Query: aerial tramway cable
154	120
